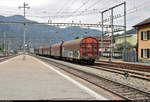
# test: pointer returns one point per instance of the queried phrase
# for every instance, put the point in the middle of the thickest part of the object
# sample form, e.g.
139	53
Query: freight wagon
46	51
84	50
56	50
81	50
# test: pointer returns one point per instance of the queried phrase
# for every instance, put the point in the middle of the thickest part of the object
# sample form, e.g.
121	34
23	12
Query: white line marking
91	92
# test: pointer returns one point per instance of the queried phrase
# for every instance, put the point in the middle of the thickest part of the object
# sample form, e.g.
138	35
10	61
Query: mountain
132	31
42	31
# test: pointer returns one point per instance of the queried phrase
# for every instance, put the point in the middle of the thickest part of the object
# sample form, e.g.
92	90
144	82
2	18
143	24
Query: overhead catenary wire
79	8
132	10
66	3
90	12
80	13
136	9
97	2
94	11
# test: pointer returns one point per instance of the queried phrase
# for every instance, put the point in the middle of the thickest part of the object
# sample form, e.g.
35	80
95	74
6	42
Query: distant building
143	29
106	42
130	38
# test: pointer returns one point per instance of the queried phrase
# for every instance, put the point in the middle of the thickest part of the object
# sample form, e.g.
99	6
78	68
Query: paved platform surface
31	80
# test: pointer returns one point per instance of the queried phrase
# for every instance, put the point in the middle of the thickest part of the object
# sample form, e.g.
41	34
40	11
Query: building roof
147	21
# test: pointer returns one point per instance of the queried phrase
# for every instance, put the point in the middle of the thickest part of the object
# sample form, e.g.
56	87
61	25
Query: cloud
41	9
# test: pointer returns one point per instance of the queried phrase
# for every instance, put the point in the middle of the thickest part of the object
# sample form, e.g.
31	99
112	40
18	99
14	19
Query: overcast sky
86	11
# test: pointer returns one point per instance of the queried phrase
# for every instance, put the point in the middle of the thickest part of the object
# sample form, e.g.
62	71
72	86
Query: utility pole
7	47
101	37
29	47
125	41
112	35
25	6
49	20
4	43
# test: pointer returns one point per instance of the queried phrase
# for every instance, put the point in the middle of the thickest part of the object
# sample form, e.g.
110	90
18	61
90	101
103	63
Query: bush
121	46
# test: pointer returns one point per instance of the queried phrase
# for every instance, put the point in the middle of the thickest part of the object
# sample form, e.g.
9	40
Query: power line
80	13
87	13
95	4
94	11
79	8
138	6
132	10
66	3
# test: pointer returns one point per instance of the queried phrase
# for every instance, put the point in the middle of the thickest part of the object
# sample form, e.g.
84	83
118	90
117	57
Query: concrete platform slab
29	80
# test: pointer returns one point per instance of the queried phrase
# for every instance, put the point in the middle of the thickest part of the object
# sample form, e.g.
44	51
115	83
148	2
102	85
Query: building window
145	53
145	35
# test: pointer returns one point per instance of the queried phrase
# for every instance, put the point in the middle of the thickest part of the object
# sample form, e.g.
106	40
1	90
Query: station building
143	30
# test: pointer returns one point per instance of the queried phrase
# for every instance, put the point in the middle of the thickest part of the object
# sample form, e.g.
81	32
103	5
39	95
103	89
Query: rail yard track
114	69
138	67
124	91
4	58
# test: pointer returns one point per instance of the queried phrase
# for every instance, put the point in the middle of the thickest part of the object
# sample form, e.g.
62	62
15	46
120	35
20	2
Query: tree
128	45
15	52
119	46
1	47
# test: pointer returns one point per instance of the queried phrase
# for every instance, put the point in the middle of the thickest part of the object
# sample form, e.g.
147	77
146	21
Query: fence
116	54
130	56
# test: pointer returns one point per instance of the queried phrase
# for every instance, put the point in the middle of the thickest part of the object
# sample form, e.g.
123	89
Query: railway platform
32	79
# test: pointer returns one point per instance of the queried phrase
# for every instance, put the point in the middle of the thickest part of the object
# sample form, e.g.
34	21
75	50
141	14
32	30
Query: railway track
121	90
135	74
128	66
3	58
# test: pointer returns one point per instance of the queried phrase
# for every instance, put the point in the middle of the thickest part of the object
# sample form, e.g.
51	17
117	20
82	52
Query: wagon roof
75	41
44	46
57	44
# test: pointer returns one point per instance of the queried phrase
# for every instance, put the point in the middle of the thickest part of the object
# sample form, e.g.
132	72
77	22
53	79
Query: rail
121	90
4	58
